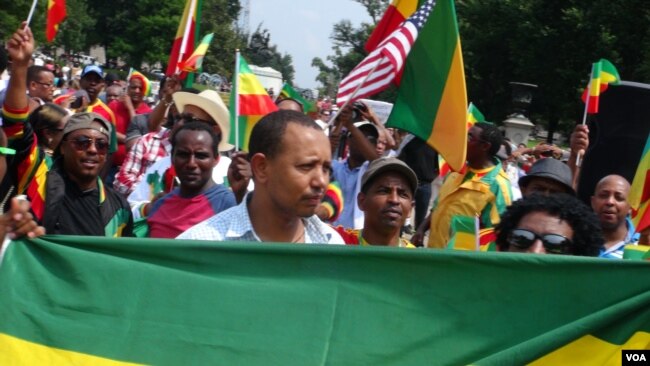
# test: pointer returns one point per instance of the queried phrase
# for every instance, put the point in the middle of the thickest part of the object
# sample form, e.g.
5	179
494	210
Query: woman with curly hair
554	224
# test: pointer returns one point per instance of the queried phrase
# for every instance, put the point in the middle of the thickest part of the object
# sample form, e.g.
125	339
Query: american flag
381	66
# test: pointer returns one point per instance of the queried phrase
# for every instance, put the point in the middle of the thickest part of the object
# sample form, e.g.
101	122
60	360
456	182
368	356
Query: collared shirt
150	148
234	224
349	180
616	250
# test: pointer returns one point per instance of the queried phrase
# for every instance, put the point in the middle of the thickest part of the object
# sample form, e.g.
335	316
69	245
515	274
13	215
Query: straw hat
211	103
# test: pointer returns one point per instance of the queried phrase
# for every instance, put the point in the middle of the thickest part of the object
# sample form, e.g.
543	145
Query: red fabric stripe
253	104
389	22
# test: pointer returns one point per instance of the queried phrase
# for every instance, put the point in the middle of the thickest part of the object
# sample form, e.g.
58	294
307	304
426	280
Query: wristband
7	151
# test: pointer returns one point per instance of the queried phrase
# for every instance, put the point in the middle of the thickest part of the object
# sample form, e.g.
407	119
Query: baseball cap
92	69
389	164
551	169
367	126
80	121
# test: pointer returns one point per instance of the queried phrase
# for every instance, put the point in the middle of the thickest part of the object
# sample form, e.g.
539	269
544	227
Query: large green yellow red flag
195	61
67	300
603	73
184	39
55	14
639	197
249	102
433	76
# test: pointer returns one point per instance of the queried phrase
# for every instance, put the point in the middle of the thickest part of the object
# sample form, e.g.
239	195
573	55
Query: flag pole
186	34
477	240
236	94
354	94
31	12
584	115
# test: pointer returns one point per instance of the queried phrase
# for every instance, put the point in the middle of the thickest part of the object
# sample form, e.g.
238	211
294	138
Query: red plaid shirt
142	155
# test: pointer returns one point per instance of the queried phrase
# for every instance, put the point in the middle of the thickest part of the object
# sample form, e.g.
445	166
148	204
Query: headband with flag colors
55	14
289	92
434	76
383	65
146	84
603	73
639	197
249	102
176	52
195	61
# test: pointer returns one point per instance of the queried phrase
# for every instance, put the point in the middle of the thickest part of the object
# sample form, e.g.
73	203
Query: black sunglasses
553	243
82	143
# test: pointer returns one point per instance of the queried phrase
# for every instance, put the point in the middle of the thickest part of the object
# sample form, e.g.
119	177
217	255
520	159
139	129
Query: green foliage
260	52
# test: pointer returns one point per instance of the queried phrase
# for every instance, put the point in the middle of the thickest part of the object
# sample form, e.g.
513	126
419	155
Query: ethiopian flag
102	301
396	13
464	232
195	61
603	73
289	92
433	76
639	197
55	14
189	16
473	116
249	102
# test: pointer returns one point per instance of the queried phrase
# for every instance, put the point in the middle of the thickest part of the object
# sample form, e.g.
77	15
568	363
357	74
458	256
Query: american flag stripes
383	65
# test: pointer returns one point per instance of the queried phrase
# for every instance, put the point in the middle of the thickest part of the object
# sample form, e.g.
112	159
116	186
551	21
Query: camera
357	108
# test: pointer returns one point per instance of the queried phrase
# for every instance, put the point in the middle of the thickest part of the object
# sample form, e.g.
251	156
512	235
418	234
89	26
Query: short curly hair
587	233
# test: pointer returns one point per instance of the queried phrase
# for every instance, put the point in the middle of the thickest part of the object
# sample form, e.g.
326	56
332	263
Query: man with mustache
290	159
386	198
610	204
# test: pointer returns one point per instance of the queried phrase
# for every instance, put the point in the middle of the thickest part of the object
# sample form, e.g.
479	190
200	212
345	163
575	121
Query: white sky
302	29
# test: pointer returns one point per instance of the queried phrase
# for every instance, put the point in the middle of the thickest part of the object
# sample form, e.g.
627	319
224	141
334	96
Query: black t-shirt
80	214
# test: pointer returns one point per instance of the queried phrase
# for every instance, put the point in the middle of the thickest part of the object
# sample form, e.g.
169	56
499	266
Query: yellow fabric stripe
250	85
405	7
590	350
607	78
15	351
465	241
449	134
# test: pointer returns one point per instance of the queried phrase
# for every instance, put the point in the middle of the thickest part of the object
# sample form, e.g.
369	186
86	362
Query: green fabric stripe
171	302
425	73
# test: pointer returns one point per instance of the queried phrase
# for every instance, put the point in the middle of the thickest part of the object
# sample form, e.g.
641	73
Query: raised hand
21	46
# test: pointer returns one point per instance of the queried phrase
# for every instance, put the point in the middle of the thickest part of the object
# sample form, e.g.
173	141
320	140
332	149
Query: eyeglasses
47	85
187	118
82	143
474	138
553	243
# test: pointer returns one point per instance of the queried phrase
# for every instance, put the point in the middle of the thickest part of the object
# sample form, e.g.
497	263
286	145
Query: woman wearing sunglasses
553	224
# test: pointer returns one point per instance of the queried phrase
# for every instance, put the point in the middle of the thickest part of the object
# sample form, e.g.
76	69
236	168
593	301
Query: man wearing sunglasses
549	224
67	196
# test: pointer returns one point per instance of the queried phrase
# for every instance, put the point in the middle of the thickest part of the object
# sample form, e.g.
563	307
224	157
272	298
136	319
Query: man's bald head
610	202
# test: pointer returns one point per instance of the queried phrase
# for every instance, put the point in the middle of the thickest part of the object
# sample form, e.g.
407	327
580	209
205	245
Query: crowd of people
101	161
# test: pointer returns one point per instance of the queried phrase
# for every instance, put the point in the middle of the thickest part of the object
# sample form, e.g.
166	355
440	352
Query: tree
261	52
348	47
